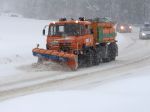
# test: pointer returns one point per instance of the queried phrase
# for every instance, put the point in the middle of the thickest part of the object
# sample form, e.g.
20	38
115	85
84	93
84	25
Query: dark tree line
132	11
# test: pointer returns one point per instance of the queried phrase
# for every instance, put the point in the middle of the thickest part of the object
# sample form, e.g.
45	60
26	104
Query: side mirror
43	31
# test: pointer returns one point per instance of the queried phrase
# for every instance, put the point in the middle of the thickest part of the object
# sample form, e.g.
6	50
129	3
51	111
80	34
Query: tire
113	51
105	60
106	51
81	60
89	58
97	56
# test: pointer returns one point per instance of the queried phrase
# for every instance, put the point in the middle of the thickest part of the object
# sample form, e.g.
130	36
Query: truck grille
65	46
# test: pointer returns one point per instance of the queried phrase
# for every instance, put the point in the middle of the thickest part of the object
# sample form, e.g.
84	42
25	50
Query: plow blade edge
71	60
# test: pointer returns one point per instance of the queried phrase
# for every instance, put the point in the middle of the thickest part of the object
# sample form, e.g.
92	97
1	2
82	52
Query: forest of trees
131	11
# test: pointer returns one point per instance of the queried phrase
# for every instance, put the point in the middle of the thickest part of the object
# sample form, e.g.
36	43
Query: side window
61	28
54	30
82	29
51	30
87	29
90	30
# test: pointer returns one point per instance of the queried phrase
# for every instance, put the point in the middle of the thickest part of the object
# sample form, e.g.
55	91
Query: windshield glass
66	29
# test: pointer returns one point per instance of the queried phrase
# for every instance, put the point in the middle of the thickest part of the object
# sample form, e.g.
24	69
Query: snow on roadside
129	94
17	38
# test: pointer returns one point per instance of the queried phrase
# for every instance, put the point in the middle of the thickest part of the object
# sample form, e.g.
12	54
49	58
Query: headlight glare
122	27
143	34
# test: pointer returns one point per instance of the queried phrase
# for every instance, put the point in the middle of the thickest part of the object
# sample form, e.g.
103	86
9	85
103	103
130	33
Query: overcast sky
120	10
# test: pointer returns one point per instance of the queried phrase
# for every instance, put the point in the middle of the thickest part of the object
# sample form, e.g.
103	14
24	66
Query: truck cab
69	35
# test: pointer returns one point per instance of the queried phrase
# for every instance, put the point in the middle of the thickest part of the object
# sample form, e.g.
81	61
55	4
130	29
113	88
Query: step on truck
79	43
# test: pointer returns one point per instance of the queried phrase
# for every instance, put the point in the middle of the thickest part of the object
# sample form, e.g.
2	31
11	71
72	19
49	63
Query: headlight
143	34
130	27
122	27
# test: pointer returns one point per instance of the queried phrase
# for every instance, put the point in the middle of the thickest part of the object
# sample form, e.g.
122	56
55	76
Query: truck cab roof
71	22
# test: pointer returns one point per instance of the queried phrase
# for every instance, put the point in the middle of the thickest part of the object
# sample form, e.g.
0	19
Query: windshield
67	29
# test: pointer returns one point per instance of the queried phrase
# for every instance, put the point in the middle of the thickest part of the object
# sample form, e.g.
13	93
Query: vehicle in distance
123	28
144	32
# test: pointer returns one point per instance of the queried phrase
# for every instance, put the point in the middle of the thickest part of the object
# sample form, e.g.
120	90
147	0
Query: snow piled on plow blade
71	60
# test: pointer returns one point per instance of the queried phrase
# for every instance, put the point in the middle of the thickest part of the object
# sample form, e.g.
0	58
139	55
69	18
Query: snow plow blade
71	60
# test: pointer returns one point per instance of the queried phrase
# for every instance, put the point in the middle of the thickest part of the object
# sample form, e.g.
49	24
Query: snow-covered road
20	76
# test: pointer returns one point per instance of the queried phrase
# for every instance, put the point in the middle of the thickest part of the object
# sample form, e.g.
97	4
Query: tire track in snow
66	82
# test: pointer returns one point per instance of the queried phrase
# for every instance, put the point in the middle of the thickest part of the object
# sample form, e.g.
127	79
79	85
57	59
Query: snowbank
17	38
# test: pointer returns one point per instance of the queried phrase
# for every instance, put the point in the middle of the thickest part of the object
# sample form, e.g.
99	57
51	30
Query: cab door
88	38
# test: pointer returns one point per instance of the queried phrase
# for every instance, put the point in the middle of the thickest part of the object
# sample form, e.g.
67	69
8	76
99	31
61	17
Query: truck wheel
113	51
89	58
97	56
81	60
106	60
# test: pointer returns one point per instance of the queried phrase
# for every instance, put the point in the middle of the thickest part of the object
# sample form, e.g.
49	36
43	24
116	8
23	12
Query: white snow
130	93
119	86
17	38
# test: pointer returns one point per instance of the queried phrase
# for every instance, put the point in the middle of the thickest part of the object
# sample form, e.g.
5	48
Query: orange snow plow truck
79	43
